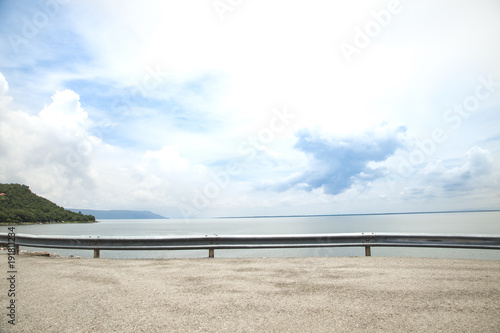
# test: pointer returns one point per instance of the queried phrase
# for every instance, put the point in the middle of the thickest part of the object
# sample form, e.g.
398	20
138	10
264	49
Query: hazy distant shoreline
261	216
119	214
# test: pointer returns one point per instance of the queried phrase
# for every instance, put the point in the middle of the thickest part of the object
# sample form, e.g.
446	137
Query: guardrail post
97	253
368	251
211	253
16	250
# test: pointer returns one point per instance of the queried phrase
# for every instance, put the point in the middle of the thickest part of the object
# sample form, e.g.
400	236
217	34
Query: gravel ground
356	294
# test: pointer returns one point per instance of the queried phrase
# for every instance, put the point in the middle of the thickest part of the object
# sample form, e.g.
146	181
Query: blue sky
197	110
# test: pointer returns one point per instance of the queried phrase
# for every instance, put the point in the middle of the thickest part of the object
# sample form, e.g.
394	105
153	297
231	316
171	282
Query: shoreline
4	251
35	223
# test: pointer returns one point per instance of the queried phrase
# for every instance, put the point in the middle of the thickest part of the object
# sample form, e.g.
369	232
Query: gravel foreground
355	294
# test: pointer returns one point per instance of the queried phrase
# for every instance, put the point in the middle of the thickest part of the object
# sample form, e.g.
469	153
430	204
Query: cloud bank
336	162
475	174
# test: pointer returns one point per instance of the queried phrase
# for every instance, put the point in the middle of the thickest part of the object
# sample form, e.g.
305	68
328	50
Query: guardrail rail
213	242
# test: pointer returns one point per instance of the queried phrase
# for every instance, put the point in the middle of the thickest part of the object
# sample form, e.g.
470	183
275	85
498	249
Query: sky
195	109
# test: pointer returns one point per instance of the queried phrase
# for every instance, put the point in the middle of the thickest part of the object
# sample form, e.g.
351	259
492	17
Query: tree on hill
19	204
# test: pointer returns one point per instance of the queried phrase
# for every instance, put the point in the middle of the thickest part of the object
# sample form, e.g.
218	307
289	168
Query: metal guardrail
212	242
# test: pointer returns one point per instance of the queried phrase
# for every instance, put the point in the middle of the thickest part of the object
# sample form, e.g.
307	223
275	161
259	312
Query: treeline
18	204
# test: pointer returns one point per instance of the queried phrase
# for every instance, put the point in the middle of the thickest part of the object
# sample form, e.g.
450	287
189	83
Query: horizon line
360	214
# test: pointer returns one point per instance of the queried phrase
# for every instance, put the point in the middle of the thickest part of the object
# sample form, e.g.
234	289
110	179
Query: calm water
457	223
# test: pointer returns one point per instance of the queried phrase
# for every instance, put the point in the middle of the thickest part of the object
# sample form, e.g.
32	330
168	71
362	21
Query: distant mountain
18	204
119	214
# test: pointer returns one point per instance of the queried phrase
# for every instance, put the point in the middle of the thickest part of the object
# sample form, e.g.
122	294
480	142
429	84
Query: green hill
18	204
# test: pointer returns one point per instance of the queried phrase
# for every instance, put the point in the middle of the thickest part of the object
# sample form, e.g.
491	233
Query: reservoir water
472	223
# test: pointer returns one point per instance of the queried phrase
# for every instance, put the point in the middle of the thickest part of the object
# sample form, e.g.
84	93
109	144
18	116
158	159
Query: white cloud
4	86
167	158
65	112
43	151
55	153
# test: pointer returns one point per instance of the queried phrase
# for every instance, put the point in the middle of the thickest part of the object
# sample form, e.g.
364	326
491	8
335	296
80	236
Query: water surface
455	223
